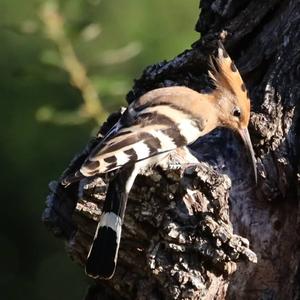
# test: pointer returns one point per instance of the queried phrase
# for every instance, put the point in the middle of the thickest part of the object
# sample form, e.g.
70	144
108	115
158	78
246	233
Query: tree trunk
187	227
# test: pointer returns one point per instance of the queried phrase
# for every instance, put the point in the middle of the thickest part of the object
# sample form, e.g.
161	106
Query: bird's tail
102	258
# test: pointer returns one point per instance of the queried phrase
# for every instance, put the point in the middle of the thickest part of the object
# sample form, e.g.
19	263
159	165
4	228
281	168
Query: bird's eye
236	112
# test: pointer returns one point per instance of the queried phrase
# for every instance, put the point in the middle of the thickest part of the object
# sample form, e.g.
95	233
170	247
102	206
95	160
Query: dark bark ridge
187	227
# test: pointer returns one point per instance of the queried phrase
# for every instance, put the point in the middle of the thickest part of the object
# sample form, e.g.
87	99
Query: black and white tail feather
102	257
160	121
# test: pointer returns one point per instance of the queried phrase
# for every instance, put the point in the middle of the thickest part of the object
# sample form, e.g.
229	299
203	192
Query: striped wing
152	130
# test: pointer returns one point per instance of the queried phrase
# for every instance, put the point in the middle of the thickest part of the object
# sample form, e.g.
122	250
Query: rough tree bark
187	227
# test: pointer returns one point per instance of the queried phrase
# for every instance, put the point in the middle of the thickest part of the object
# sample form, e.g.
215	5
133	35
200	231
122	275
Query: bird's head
231	98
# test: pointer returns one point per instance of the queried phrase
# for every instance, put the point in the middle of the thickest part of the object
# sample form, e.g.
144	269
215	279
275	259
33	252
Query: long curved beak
244	133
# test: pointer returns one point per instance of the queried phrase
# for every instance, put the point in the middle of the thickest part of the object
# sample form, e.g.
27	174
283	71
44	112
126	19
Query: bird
157	123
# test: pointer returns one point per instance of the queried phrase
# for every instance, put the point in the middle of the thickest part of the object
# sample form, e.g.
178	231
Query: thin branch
54	26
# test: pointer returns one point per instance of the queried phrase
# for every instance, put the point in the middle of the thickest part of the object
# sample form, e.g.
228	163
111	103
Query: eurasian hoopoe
160	121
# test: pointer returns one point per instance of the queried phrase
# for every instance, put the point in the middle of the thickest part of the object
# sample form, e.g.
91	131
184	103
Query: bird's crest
226	76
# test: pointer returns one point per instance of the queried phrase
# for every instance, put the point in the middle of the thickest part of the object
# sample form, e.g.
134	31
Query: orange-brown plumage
229	84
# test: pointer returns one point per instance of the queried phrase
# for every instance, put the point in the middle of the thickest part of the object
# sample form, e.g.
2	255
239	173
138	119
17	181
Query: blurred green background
49	109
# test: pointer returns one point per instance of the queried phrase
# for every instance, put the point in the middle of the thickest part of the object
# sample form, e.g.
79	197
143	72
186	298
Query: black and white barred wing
156	130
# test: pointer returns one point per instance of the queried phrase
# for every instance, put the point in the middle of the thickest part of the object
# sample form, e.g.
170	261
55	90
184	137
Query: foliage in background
92	106
57	60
